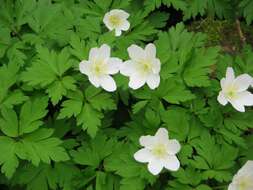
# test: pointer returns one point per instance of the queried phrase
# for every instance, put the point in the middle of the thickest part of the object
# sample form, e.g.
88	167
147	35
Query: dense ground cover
64	126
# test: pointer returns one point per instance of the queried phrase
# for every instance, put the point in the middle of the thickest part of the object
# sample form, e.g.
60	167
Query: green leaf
174	91
59	88
9	122
31	114
29	118
139	106
40	146
196	73
5	39
177	122
93	152
50	67
246	6
90	119
102	101
8	159
73	106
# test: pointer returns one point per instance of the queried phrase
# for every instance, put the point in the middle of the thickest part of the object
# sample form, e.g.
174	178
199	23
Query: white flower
100	66
159	152
143	67
234	90
116	20
243	180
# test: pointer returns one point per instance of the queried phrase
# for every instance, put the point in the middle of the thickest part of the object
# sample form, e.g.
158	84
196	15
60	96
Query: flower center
231	92
145	66
98	67
115	20
245	184
159	151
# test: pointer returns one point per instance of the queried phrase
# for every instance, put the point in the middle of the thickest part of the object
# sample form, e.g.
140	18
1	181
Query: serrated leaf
40	146
90	119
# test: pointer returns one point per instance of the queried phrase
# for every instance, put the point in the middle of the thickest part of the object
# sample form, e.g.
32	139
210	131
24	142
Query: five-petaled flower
143	67
100	66
116	20
243	180
234	90
159	152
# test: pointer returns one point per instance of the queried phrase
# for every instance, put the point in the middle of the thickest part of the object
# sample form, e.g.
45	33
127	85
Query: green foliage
57	131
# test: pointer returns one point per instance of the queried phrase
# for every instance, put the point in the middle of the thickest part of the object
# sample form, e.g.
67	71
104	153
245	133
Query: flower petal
135	52
162	134
153	81
156	66
93	54
171	163
127	68
104	51
143	155
223	83
173	146
246	169
113	65
230	76
125	26
150	50
232	187
136	81
222	99
118	32
94	80
237	105
107	83
121	13
242	82
245	98
147	141
84	67
155	166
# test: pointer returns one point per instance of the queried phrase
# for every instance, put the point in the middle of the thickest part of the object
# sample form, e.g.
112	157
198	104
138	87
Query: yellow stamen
159	151
115	20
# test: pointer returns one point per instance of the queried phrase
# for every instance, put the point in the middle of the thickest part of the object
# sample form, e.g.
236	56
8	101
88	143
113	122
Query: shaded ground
231	36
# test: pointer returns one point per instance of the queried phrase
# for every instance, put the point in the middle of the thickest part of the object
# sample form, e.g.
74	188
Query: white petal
230	76
247	169
84	67
245	98
118	32
104	51
113	65
222	99
107	83
150	50
223	83
237	105
153	81
136	81
171	163
162	135
127	68
121	13
94	80
232	187
143	155
135	52
156	66
242	82
173	147
147	141
125	26
155	166
94	52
